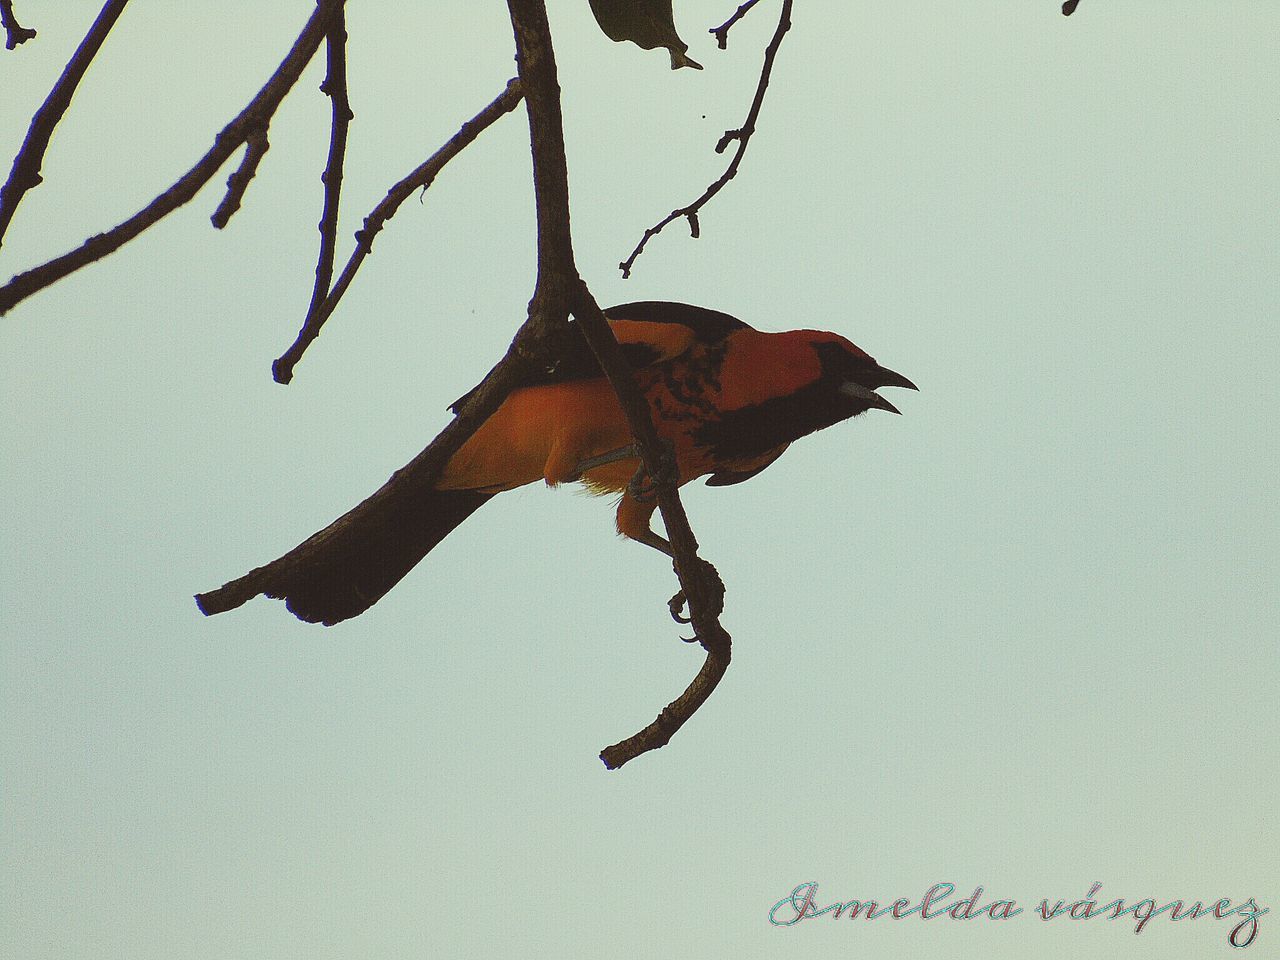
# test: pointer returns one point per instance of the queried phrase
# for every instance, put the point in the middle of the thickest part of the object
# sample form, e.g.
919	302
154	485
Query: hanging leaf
646	23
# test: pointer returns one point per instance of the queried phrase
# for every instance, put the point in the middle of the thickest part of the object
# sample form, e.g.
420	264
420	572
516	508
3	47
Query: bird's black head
816	379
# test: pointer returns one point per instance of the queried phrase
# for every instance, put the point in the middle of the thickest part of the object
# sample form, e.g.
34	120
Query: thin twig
15	33
254	117
420	178
335	87
742	135
721	33
238	182
26	165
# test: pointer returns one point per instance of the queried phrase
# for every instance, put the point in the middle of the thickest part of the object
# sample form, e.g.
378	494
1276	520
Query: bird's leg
663	545
599	460
634	515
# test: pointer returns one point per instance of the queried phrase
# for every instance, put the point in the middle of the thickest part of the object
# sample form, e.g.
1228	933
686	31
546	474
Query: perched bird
729	399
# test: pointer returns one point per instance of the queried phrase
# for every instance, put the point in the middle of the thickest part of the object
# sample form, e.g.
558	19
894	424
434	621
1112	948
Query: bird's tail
347	567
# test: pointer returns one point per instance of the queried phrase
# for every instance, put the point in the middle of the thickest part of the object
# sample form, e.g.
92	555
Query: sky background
1023	636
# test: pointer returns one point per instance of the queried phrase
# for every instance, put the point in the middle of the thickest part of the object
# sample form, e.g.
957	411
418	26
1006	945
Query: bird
729	399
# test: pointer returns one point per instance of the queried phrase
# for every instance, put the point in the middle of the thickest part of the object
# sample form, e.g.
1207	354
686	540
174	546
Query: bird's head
778	387
849	377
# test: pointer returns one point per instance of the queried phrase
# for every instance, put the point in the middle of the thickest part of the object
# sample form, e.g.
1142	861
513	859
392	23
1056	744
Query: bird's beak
881	377
887	378
868	396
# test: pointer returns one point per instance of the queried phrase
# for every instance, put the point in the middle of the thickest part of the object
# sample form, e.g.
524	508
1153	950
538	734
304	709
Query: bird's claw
644	486
676	605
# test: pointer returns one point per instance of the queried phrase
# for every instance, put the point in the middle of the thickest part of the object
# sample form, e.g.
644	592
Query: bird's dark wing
728	477
648	331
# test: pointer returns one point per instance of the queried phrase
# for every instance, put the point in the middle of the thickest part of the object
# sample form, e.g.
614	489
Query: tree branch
420	178
535	57
253	119
559	287
721	33
15	33
238	182
699	581
25	174
335	86
742	135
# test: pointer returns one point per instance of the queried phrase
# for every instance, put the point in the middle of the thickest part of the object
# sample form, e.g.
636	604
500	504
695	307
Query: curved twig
335	87
251	119
721	33
742	135
26	165
15	33
673	715
420	178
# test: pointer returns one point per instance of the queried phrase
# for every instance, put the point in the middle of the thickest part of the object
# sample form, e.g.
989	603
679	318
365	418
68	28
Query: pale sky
1021	637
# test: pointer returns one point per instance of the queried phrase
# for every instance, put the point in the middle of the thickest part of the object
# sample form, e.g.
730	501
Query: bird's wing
728	477
649	332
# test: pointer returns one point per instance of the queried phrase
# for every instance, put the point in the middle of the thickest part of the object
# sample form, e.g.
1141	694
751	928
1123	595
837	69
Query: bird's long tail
347	567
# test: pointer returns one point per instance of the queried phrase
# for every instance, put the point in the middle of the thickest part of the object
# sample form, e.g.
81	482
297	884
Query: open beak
881	377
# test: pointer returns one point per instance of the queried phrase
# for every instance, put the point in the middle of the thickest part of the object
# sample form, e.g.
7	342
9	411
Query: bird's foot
708	588
644	486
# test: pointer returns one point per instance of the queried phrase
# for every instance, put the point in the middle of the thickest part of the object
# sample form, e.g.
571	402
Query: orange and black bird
727	397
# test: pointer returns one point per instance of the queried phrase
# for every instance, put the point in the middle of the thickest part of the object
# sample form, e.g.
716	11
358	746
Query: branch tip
721	33
15	33
238	182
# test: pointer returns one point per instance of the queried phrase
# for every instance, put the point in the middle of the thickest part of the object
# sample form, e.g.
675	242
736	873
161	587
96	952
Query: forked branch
14	32
419	178
250	122
721	33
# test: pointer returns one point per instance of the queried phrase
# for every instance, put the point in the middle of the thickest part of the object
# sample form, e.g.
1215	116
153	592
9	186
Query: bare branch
742	135
535	57
559	285
254	117
673	715
420	178
15	33
335	87
699	582
238	182
721	33
25	174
